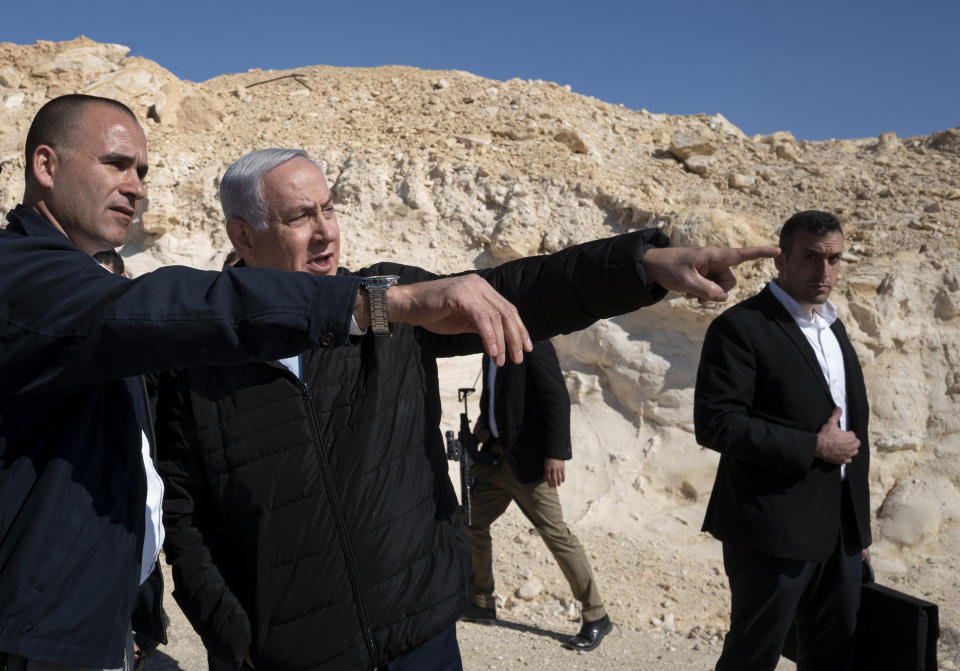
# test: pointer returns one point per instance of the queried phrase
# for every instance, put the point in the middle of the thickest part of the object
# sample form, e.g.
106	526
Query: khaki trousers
496	486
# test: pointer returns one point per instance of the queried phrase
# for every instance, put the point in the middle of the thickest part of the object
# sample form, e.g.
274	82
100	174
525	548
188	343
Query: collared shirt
153	531
295	363
826	347
491	385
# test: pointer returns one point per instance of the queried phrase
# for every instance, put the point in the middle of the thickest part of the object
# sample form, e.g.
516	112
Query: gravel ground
667	614
667	598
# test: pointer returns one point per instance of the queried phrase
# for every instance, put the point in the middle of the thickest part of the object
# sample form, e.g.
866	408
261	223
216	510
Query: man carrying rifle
310	519
525	421
463	448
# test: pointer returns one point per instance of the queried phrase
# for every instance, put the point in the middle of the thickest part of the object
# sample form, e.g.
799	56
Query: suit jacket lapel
850	365
785	321
484	390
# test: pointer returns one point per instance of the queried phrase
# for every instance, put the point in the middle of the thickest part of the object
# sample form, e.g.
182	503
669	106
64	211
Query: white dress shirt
295	363
816	329
153	531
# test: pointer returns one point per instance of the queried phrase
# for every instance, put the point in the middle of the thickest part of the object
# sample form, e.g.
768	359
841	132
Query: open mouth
321	263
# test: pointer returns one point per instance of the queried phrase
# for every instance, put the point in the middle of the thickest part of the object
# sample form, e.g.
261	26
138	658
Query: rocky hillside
449	170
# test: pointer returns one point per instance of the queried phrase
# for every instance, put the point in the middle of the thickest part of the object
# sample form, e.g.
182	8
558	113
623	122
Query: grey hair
241	189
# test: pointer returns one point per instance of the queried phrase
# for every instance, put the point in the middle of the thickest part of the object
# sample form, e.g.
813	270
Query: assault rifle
463	448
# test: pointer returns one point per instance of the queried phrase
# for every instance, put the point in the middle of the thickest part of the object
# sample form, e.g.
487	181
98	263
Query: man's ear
778	261
241	235
45	164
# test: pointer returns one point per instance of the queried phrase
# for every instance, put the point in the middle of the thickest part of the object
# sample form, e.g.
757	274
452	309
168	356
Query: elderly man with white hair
79	499
310	519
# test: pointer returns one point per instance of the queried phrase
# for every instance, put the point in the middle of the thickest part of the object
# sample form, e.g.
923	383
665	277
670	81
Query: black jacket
760	400
73	338
315	523
532	409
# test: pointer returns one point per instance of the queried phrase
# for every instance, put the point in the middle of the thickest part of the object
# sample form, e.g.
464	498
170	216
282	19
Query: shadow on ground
157	661
529	629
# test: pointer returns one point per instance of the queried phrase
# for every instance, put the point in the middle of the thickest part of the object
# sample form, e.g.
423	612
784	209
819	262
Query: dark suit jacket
532	408
760	400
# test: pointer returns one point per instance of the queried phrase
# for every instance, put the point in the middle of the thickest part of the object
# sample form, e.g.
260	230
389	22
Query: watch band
376	287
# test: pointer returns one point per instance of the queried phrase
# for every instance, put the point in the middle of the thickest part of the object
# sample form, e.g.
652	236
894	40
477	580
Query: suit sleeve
569	290
545	380
67	324
189	518
727	415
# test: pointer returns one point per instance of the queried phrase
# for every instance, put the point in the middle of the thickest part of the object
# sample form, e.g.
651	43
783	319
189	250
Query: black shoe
478	614
591	633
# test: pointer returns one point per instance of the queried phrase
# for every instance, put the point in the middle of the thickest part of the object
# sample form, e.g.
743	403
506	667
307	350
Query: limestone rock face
685	145
948	140
89	59
698	164
450	171
916	509
889	142
738	181
10	78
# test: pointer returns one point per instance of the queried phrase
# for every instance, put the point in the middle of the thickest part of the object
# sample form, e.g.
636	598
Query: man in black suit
525	424
780	395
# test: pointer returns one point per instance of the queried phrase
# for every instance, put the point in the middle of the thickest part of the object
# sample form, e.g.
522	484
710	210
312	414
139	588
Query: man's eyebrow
118	157
299	209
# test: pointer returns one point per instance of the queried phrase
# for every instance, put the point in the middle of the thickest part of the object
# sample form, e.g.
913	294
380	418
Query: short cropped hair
241	189
812	221
58	120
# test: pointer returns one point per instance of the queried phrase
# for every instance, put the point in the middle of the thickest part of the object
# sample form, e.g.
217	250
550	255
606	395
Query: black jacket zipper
340	524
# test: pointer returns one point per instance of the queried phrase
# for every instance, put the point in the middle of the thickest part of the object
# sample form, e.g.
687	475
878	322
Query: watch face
376	287
380	281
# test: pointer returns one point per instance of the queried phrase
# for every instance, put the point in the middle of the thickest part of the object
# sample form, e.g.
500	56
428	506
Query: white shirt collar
827	311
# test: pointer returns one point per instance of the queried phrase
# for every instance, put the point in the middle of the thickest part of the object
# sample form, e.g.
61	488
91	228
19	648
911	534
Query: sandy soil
662	580
667	598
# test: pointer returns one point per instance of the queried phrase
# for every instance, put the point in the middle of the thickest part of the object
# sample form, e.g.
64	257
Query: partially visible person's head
58	121
811	247
231	259
86	158
112	261
279	212
816	222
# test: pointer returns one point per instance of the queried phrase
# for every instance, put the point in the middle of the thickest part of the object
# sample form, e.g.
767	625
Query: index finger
750	253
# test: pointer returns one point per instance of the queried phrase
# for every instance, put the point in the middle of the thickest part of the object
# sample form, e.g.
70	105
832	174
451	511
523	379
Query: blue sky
819	69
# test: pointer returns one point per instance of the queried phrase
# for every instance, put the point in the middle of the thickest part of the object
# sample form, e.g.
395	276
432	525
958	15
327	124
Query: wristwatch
376	287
